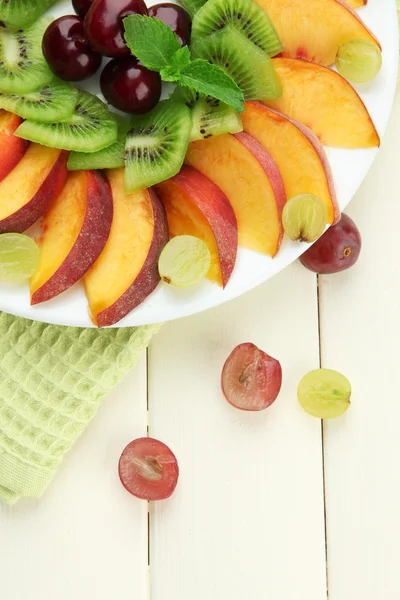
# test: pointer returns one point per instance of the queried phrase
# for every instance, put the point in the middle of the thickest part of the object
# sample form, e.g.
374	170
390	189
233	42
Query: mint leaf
211	80
181	58
171	74
151	41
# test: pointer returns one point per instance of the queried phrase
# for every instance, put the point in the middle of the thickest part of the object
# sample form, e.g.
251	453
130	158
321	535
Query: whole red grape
67	51
336	250
104	26
81	7
176	18
129	86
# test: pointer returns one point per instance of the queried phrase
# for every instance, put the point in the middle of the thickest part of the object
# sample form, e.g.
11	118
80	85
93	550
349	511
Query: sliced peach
28	190
196	206
250	179
75	230
12	148
297	152
314	29
126	272
356	3
325	102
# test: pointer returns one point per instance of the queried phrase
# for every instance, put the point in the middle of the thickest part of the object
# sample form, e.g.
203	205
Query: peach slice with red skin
29	189
298	153
12	148
196	206
126	271
75	230
251	181
325	102
314	29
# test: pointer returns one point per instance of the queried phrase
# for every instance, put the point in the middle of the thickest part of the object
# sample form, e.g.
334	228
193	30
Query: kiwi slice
192	6
248	17
156	145
23	67
210	116
52	102
231	51
22	13
90	128
111	157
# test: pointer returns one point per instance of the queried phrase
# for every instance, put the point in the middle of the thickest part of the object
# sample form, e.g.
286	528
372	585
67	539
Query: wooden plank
246	520
87	537
360	330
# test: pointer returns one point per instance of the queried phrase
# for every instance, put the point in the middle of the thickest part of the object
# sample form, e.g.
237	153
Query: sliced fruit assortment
339	118
75	230
127	270
197	207
251	181
315	29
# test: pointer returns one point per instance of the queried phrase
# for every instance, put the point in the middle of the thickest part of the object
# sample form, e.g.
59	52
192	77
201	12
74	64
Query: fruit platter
159	159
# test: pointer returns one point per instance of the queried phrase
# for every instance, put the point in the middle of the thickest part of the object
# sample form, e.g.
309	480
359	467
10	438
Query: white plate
349	169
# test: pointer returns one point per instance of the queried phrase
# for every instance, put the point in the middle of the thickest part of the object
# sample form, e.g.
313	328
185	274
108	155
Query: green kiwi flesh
156	145
52	102
210	116
23	67
192	6
22	13
248	18
231	51
91	128
111	157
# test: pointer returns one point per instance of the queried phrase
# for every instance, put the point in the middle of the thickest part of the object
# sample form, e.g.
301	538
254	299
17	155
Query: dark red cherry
129	86
81	7
67	51
176	18
104	28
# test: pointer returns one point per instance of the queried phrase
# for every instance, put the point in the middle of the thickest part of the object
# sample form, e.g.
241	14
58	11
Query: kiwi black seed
231	51
248	18
209	115
156	145
111	157
54	101
90	128
22	64
22	13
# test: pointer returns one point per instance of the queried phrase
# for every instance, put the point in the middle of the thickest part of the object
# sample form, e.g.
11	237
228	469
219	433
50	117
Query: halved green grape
19	257
358	60
304	218
324	393
184	261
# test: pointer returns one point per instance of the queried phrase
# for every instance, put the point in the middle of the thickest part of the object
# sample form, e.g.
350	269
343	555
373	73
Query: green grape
324	393
304	218
184	261
19	257
359	60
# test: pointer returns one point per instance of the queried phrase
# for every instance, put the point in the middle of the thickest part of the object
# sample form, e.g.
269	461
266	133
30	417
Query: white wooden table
269	506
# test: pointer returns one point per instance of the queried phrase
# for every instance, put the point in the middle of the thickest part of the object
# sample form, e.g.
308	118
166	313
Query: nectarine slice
126	272
356	3
196	206
31	186
324	101
75	230
254	189
12	148
297	152
314	29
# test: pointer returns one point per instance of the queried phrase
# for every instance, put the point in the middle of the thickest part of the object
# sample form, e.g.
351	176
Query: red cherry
176	18
129	86
66	50
81	7
148	469
104	26
251	379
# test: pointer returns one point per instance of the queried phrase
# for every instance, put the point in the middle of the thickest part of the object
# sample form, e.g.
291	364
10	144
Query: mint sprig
158	48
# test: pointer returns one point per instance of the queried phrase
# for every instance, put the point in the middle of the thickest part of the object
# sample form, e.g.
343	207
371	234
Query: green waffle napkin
52	380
